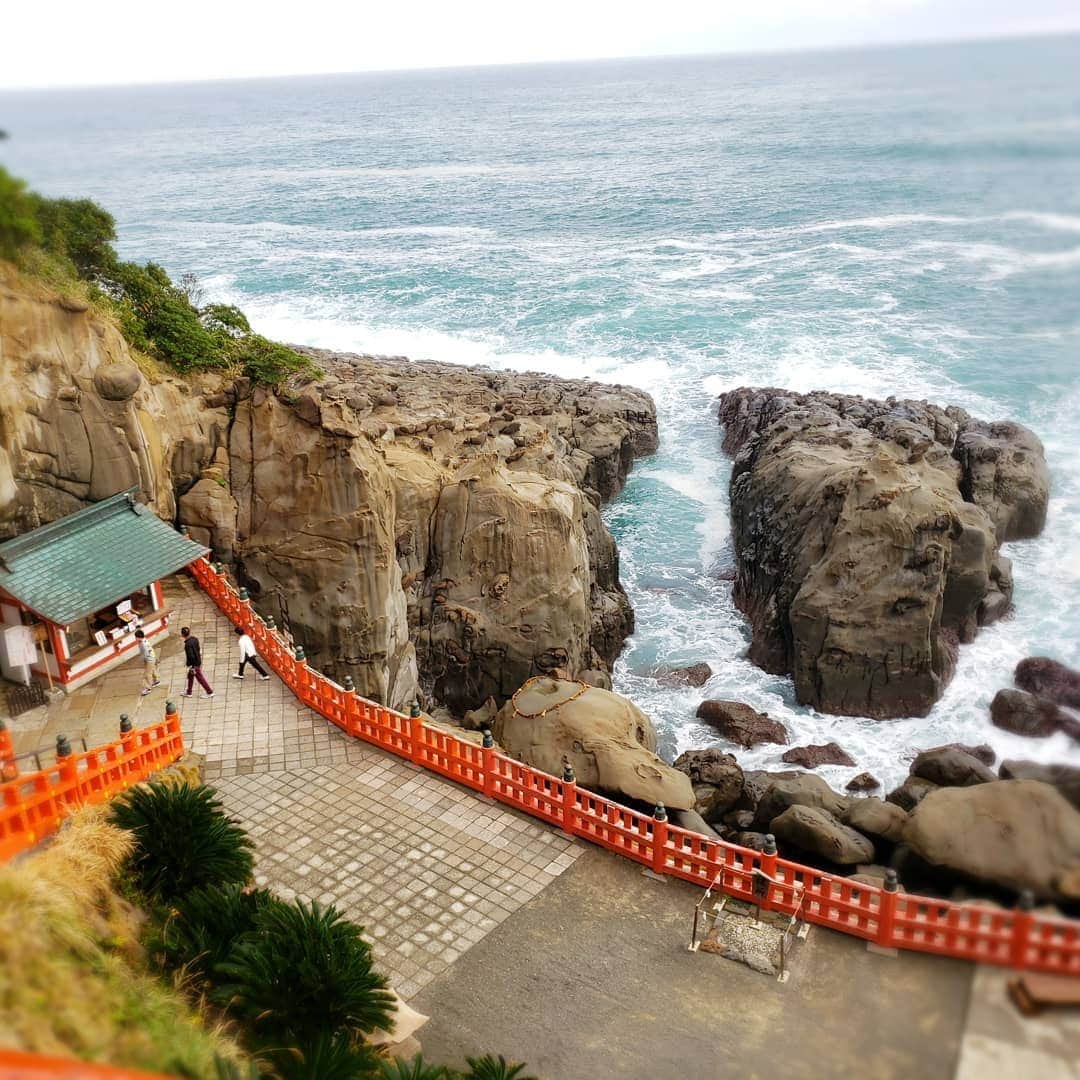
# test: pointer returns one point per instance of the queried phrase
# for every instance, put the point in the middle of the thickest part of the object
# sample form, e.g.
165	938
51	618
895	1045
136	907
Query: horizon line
867	46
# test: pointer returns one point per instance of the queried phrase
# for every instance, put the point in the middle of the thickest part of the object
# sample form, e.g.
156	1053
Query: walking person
248	655
193	657
149	659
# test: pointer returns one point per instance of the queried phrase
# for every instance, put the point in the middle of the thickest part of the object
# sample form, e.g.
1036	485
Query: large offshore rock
1049	679
818	832
811	757
608	740
1019	834
866	539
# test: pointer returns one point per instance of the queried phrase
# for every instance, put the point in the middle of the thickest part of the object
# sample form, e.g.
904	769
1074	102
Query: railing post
569	799
1021	930
887	910
416	734
487	751
768	867
299	664
69	774
9	767
659	839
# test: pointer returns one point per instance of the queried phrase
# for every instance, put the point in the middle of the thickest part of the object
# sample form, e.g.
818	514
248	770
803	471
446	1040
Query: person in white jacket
248	655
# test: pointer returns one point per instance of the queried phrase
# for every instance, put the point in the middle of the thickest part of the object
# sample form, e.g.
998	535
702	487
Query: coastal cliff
427	529
867	538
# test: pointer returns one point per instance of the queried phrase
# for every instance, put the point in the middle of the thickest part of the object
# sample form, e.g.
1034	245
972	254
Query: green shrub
416	1069
492	1068
326	1057
304	971
184	840
203	927
19	226
79	230
268	362
225	319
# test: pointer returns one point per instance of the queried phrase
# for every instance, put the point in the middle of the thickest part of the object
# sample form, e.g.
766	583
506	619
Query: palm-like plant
326	1057
202	928
416	1069
304	971
492	1068
184	839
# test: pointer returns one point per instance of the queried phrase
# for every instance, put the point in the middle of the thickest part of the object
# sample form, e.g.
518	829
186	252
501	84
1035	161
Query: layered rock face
381	503
866	536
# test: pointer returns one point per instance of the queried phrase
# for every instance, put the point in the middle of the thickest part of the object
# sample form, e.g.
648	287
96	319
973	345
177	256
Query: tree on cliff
71	240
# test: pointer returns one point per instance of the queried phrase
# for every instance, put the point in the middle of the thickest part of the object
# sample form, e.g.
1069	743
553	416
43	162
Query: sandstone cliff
866	537
425	528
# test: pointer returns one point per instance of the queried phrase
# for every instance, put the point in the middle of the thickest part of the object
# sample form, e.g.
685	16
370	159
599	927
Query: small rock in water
741	724
692	675
810	757
863	782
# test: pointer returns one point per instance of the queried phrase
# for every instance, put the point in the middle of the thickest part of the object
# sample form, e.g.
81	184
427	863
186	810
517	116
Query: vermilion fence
33	804
888	918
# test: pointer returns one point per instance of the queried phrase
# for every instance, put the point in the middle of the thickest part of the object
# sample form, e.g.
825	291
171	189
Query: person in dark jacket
193	658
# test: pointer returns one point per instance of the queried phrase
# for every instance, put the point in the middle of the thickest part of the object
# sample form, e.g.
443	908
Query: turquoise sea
890	221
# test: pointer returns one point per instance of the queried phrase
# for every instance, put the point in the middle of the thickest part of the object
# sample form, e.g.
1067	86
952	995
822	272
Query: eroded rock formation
866	536
426	528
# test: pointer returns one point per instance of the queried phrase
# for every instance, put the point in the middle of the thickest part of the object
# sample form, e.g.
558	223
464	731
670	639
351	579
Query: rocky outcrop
1017	834
717	778
811	757
740	724
802	789
866	536
862	783
911	792
1066	778
876	819
607	740
949	767
814	830
427	529
1049	679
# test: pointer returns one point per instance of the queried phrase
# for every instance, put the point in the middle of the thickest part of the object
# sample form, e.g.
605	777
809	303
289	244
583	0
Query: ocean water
901	221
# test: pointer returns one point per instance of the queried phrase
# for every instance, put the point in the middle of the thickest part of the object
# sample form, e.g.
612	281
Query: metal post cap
348	684
125	723
660	813
488	740
770	844
170	708
414	709
243	593
219	568
892	882
270	624
1026	900
568	772
300	655
63	747
3	726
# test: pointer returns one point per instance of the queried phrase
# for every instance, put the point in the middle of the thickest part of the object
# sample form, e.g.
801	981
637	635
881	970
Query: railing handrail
883	916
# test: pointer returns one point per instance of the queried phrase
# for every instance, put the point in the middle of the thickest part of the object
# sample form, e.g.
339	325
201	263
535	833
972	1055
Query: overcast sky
132	41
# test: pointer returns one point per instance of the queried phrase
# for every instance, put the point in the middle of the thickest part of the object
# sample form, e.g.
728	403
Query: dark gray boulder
947	767
818	832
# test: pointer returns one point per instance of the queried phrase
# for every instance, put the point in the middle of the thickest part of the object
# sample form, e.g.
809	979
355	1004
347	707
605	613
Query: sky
134	41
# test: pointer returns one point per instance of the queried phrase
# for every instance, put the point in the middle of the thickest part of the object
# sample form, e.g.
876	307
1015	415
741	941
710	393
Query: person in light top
248	655
149	659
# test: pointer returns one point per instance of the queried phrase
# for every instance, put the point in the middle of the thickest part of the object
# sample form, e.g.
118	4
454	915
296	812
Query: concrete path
518	940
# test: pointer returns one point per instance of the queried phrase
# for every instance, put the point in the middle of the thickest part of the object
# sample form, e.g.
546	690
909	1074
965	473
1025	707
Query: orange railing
884	916
20	1065
33	804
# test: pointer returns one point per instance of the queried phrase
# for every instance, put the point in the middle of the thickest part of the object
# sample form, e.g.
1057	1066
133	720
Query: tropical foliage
183	840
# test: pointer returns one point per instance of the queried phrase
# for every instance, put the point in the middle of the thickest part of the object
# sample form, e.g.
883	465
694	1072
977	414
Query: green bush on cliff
73	240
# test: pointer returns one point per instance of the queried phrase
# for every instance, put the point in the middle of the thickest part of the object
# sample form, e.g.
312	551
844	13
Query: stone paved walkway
427	867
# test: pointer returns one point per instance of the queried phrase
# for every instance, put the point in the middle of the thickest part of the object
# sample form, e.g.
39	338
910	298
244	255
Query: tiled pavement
427	867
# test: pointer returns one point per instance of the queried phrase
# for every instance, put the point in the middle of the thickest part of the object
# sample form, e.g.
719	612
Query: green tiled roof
92	559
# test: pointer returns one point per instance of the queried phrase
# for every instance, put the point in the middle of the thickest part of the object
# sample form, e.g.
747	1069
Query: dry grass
73	977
